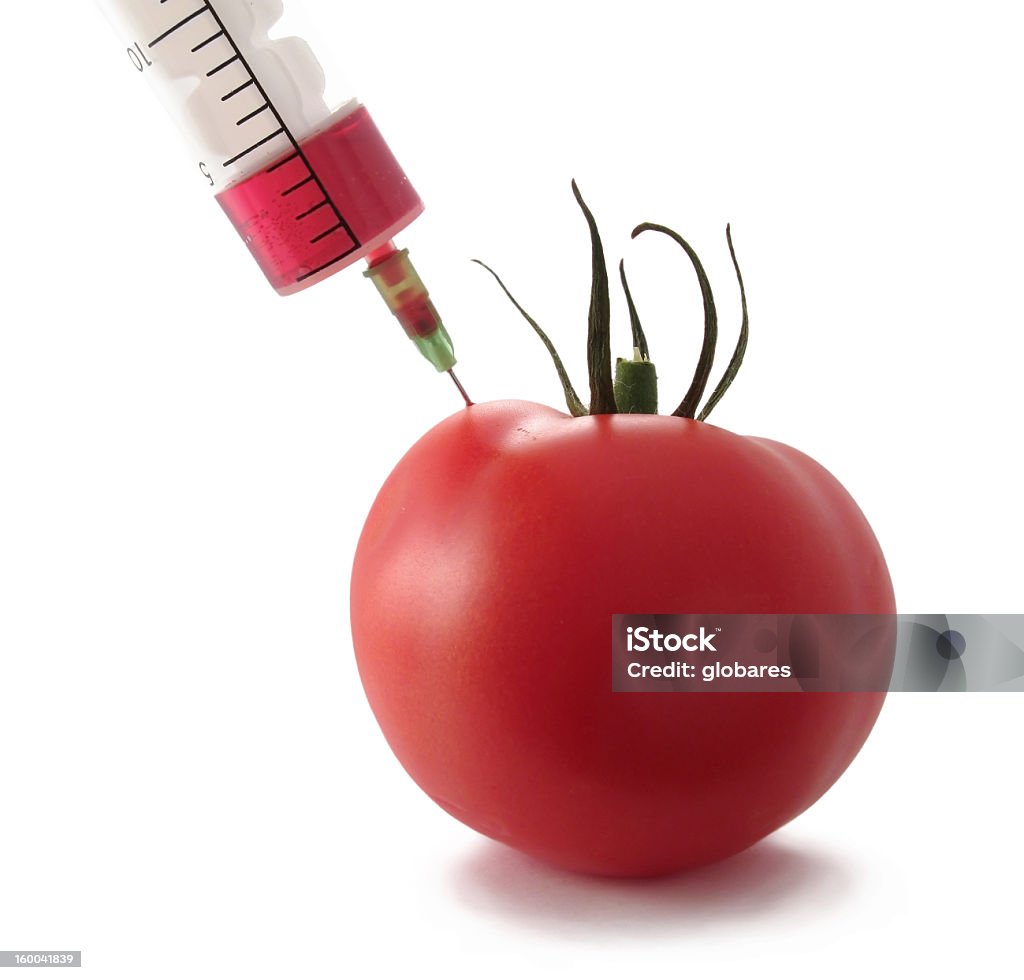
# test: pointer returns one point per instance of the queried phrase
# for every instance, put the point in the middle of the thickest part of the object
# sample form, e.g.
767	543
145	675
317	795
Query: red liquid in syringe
318	209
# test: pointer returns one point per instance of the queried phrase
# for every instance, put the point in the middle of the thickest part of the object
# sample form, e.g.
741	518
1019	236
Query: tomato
493	561
482	594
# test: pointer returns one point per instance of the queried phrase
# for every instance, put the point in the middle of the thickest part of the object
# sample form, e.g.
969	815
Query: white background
189	775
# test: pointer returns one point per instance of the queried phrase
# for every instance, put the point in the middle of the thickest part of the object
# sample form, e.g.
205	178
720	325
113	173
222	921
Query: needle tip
462	391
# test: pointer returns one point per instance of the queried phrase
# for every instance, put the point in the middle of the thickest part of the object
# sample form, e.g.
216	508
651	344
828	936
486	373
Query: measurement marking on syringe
323	235
312	210
326	265
295	187
235	91
253	114
255	146
209	40
281	163
221	66
181	23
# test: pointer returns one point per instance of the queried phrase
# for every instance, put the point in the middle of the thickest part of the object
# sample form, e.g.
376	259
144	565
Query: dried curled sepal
741	345
599	349
572	400
639	338
688	407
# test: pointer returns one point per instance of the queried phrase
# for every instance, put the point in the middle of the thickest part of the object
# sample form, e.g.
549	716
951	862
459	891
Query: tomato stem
636	385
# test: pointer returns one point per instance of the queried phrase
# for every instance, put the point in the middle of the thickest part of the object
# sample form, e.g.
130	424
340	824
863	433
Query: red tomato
482	595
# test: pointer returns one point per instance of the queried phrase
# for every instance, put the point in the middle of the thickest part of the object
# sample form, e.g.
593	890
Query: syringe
306	179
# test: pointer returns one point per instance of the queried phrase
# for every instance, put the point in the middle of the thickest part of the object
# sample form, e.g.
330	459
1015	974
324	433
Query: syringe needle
462	391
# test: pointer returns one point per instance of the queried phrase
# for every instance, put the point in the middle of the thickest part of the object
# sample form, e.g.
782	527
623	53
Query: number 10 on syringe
302	171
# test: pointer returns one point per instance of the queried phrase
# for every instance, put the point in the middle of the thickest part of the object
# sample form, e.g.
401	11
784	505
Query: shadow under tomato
770	879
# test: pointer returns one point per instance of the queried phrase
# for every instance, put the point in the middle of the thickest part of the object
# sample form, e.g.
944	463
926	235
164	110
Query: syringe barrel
295	160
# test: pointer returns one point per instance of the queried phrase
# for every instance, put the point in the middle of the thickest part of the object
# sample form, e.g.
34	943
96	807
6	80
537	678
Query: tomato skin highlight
482	593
